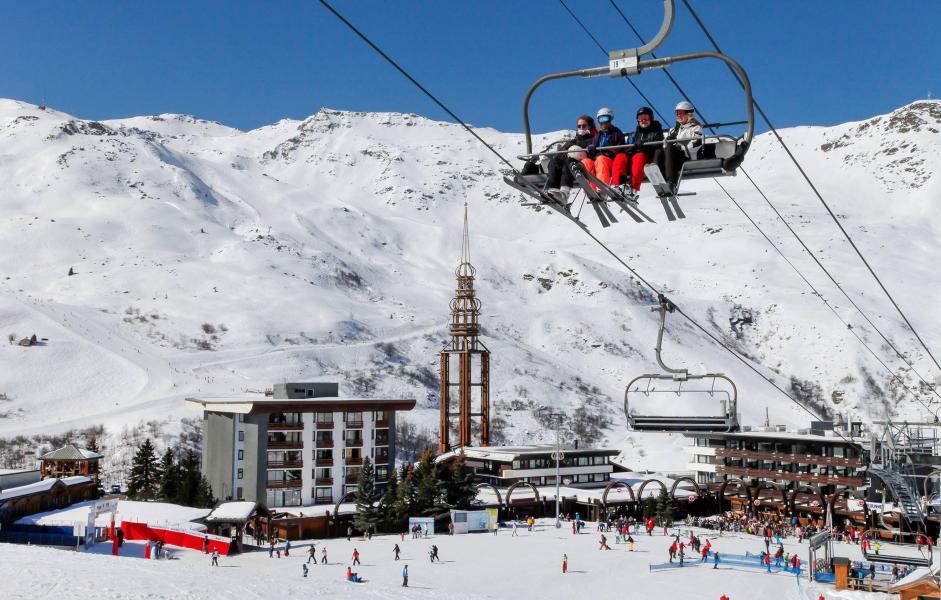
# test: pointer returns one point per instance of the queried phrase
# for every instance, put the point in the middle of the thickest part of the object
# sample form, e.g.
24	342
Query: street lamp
558	455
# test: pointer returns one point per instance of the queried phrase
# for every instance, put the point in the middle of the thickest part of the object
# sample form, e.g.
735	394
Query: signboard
854	505
494	517
427	524
98	508
466	521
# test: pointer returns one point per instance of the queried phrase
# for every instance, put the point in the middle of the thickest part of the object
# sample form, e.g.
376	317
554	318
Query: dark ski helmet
645	110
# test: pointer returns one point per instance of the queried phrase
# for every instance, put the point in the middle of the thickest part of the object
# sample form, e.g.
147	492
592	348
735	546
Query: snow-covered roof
27	490
14	471
232	511
919	574
153	513
262	404
795	436
316	510
510	453
70	452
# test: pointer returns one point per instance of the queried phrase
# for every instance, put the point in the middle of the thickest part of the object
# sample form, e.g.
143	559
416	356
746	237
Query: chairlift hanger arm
617	69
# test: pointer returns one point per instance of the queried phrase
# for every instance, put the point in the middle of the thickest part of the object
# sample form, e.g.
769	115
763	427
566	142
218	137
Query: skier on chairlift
672	157
610	165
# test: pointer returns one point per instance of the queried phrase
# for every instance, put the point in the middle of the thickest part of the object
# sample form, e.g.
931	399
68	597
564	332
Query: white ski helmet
605	112
685	106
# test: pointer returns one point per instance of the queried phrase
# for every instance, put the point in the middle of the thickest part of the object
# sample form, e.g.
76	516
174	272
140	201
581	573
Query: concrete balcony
352	479
298	445
354	461
323	425
324	443
323	462
286	464
296	483
285	426
324	481
354	424
354	443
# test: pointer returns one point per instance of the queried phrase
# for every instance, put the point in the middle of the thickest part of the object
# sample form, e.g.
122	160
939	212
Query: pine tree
664	509
428	498
92	444
387	506
189	479
367	513
145	474
405	495
169	478
204	497
459	487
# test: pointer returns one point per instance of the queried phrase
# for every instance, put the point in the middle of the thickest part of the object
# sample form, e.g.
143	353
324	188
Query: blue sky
248	64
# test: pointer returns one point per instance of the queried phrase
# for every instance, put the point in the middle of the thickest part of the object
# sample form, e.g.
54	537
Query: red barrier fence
175	537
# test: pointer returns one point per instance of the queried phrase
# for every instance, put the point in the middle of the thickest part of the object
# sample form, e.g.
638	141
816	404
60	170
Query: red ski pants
638	161
611	170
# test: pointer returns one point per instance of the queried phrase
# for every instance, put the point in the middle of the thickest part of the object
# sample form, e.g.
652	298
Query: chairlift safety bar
701	138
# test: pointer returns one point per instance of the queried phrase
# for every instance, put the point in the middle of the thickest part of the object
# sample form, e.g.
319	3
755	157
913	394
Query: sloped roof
28	490
70	452
233	512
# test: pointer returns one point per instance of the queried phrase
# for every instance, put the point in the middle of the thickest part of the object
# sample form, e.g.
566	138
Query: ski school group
619	160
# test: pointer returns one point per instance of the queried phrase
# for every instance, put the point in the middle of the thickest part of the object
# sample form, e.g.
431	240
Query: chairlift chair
720	157
726	420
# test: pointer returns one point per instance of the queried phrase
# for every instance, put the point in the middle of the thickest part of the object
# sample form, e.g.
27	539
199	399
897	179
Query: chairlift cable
865	316
813	187
604	246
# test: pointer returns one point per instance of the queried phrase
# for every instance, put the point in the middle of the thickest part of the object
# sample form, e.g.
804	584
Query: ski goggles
604	119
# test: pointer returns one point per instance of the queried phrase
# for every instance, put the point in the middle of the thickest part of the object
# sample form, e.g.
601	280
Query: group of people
619	160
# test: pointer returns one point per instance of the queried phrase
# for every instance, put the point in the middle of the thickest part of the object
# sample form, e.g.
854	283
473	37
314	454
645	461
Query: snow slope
211	260
473	566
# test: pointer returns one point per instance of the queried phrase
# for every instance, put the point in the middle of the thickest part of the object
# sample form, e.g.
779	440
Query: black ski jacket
653	133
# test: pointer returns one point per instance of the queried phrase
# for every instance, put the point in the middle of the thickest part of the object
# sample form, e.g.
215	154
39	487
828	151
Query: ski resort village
674	335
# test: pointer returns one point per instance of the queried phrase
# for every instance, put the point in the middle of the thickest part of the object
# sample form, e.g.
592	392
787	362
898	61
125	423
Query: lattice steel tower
471	356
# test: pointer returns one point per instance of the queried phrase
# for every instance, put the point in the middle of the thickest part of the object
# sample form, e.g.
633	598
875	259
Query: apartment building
298	444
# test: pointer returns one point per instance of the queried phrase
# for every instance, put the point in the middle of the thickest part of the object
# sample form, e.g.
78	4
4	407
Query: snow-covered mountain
210	260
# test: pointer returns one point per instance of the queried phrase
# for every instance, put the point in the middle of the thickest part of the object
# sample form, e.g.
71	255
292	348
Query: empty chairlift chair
716	389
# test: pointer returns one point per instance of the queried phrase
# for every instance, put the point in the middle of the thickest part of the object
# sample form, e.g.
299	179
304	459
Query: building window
290	497
323	455
323	473
241	436
354	417
325	417
352	472
284	476
241	455
241	418
280	418
240	474
354	436
323	494
349	489
380	415
324	436
238	492
285	438
382	473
